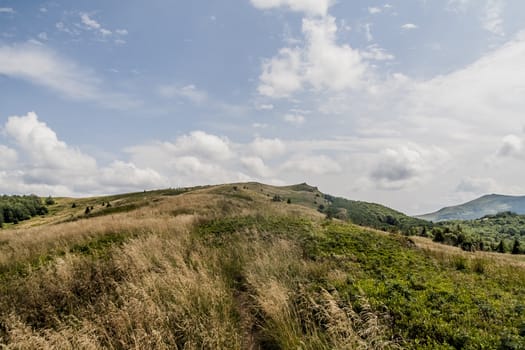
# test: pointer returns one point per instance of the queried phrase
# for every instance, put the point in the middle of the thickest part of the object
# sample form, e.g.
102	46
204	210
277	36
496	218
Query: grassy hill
477	208
242	267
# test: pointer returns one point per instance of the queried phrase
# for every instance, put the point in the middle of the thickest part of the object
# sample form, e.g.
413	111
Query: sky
414	104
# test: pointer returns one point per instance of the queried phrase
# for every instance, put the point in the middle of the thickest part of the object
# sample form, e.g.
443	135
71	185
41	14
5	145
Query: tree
50	201
501	247
289	201
438	236
87	211
516	249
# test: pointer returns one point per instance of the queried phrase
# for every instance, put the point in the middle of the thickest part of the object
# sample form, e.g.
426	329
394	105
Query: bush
50	201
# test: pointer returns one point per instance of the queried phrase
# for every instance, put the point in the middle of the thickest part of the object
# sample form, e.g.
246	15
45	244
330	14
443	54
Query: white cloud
42	145
376	53
409	26
93	25
89	22
47	165
121	175
321	63
281	75
267	148
7	10
8	157
492	18
256	166
406	165
311	7
374	10
190	92
329	65
41	66
105	32
42	36
294	119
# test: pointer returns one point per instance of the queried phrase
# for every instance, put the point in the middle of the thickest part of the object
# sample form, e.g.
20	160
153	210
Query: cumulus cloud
321	63
374	10
8	157
403	166
42	145
203	144
256	166
311	7
41	66
43	163
281	75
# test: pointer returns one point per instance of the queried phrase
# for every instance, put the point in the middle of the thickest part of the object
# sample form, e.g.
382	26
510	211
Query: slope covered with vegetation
229	267
503	232
373	215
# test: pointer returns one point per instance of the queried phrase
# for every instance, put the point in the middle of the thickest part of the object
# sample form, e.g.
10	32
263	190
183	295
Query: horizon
413	105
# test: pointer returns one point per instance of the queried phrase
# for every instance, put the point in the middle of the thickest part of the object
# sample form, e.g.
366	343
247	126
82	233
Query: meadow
229	267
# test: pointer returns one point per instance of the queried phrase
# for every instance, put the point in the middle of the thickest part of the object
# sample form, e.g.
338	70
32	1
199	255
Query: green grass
429	303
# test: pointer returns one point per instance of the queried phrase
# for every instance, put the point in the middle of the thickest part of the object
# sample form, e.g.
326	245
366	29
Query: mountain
477	208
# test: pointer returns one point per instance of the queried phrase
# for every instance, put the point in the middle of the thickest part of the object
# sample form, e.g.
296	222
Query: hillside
373	215
502	232
477	208
242	267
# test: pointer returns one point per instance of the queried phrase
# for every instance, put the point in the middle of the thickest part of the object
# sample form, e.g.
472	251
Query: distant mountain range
477	208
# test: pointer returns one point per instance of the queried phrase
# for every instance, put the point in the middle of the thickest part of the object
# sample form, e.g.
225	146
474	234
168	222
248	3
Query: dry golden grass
447	251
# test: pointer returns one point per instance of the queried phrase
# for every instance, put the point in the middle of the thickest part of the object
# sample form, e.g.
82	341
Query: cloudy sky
414	104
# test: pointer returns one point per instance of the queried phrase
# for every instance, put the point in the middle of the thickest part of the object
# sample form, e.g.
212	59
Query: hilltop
477	208
247	266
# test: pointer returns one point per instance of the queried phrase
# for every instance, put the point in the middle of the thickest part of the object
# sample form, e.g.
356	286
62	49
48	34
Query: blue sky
414	104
